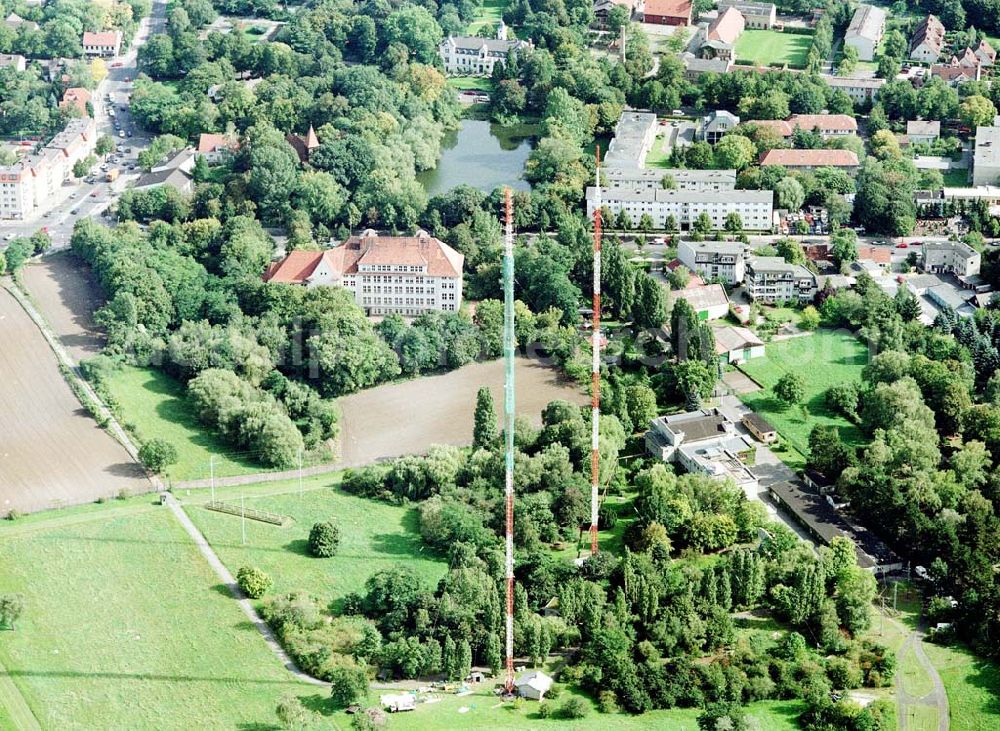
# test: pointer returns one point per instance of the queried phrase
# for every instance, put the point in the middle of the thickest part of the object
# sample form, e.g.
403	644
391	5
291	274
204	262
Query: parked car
903	245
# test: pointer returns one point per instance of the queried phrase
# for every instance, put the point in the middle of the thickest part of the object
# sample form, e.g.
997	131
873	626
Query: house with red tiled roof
667	12
213	147
722	33
407	275
76	96
810	159
955	75
827	125
303	146
104	43
985	53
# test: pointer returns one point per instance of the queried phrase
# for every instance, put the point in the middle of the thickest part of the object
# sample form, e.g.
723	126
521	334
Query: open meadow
766	47
151	404
126	627
374	536
825	358
53	453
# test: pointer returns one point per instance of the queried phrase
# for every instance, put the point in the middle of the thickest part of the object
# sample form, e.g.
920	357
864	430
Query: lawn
127	627
488	15
374	536
153	405
659	154
956	178
471	83
972	684
825	358
766	47
483	710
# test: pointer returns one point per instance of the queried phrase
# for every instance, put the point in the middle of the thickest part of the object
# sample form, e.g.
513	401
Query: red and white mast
508	403
595	386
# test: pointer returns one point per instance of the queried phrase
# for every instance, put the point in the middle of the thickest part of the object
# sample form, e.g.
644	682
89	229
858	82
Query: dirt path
245	604
937	698
15	705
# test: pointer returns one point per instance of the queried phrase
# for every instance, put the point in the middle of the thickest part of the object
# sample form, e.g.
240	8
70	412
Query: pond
482	155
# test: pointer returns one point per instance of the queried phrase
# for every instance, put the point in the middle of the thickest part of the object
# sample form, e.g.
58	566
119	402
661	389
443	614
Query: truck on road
112	175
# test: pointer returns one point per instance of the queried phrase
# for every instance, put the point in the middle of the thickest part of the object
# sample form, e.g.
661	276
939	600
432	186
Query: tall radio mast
508	431
595	375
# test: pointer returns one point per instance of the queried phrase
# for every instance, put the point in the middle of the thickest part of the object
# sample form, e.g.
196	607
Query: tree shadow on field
396	544
257	726
300	546
223	589
321	704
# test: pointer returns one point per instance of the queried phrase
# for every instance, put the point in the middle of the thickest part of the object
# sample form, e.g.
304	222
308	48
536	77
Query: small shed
759	427
737	344
399	702
534	685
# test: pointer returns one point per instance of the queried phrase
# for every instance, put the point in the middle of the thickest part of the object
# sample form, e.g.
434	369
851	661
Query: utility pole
508	411
595	370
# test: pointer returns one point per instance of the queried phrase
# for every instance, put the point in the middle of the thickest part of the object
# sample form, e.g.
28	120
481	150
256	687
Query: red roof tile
810	158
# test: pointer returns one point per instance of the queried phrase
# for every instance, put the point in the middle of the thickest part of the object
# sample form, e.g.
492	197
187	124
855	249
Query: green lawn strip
373	536
921	718
126	626
659	154
825	358
154	405
489	15
956	178
471	83
972	684
483	710
915	679
14	710
766	47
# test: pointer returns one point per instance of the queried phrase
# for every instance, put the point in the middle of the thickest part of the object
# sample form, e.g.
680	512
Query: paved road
245	604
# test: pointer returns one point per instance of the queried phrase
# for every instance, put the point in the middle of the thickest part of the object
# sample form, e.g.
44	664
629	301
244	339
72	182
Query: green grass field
374	536
127	627
956	178
154	405
471	83
483	710
489	15
825	358
972	684
659	154
765	47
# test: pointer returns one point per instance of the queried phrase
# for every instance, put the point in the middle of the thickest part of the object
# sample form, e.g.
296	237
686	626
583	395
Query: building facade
865	31
406	275
771	279
721	260
716	125
951	257
755	15
28	183
685	206
105	43
472	56
667	12
684	179
860	91
634	136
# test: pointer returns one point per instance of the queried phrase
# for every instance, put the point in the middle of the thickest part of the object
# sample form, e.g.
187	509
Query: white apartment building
859	90
772	279
951	257
986	156
865	31
38	177
634	137
722	260
104	43
753	206
406	275
684	179
470	55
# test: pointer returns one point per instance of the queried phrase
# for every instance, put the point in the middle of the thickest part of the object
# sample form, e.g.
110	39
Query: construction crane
508	425
595	372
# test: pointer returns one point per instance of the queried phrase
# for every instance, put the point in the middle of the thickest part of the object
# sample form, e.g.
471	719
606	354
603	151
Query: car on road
903	245
121	133
8	237
94	194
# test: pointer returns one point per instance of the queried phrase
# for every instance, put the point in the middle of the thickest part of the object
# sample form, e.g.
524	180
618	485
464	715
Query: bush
347	684
253	582
574	707
324	539
607	702
158	454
